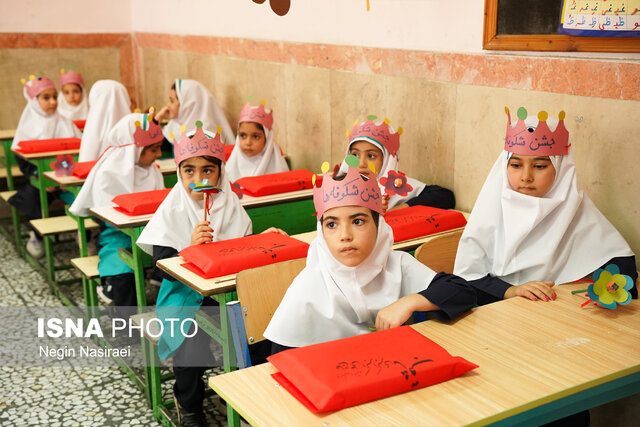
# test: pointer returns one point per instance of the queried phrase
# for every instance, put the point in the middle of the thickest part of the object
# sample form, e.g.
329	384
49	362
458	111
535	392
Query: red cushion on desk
141	203
82	169
418	221
343	373
231	256
45	145
276	183
227	151
80	123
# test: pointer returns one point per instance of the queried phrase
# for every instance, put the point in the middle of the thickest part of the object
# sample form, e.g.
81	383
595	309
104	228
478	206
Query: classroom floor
67	396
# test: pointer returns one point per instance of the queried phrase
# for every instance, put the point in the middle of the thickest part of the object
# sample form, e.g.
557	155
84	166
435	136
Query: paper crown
148	132
540	141
70	76
352	190
377	133
35	85
256	114
200	144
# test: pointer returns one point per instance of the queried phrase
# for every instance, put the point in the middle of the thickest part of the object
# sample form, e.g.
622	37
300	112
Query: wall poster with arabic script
600	18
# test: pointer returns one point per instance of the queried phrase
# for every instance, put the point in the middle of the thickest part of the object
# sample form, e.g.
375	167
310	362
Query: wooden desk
538	362
7	134
167	167
292	212
42	161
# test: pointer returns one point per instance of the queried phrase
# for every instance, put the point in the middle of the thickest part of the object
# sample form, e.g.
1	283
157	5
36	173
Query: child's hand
202	233
277	230
534	290
385	203
397	313
162	114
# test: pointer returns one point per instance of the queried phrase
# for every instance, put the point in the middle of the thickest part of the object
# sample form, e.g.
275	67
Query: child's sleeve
452	294
489	289
162	252
436	196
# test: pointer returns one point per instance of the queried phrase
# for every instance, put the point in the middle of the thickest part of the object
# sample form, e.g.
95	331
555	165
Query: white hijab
329	300
71	112
270	160
197	103
560	237
173	222
122	132
36	124
116	172
109	103
389	163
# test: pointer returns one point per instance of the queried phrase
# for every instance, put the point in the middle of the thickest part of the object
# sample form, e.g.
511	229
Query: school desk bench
538	362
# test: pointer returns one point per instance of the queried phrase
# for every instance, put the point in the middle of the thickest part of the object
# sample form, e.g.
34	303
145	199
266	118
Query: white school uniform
36	124
197	104
329	300
560	237
109	102
74	112
270	160
116	172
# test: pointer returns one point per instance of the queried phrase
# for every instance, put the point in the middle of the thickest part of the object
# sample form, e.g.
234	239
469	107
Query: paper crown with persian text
70	76
36	85
381	134
257	115
538	140
352	190
202	143
148	132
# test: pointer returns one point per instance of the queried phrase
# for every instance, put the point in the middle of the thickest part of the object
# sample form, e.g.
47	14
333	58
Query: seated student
120	170
531	227
40	120
73	103
177	224
378	143
255	153
353	281
191	101
110	102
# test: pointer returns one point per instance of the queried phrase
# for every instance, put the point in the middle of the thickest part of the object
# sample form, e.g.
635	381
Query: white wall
407	24
65	16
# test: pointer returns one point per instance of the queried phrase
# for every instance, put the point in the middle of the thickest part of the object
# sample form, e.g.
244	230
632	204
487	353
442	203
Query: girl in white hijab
40	120
74	103
124	169
190	101
376	142
177	224
255	152
353	281
110	102
531	227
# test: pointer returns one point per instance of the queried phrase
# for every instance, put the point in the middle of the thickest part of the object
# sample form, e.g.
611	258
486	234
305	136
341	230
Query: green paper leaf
522	113
352	161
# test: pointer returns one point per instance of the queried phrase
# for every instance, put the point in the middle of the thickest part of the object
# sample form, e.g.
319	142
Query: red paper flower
396	183
236	189
63	165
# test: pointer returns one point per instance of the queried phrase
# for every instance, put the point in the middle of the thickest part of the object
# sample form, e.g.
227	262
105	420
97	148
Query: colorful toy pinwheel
63	165
208	189
609	288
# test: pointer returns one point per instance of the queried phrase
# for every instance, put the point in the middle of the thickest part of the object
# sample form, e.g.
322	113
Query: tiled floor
65	396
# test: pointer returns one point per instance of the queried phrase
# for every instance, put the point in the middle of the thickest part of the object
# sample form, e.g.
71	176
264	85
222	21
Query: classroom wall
330	62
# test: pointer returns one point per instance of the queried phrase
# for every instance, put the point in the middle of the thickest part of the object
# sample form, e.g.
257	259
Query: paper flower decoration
208	189
610	287
396	183
235	187
63	165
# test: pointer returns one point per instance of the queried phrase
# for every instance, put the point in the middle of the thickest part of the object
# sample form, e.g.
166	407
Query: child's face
196	169
48	100
531	175
174	104
252	139
350	233
367	153
72	94
149	154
